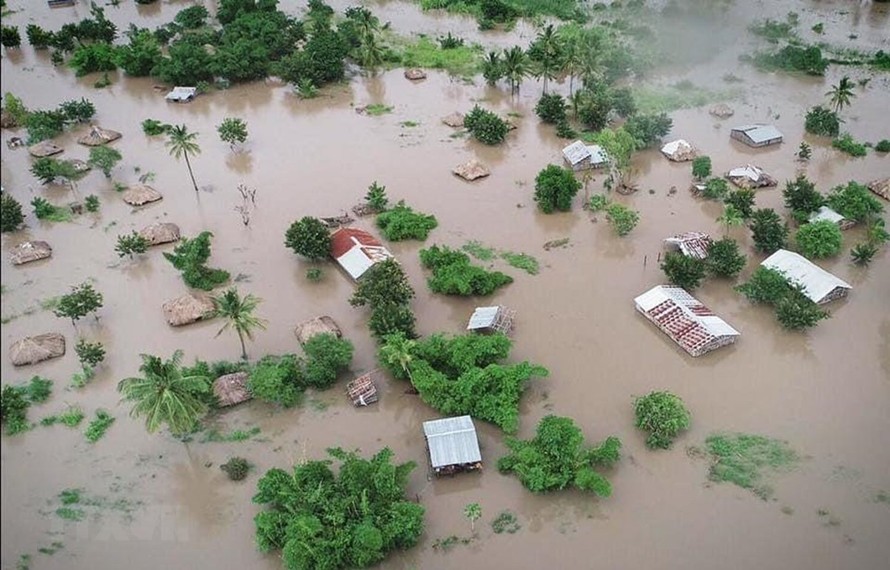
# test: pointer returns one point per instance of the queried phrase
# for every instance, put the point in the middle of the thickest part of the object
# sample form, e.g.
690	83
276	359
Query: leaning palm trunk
192	174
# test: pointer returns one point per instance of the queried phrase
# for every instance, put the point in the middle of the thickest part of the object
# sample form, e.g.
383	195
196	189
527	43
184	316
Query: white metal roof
749	171
482	318
826	213
576	152
759	132
181	93
816	282
597	154
452	441
693	309
678	146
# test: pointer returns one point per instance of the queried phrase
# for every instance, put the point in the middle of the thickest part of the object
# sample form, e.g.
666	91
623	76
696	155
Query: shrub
797	312
622	219
551	108
663	415
565	131
701	167
744	460
647	130
89	58
376	197
453	274
153	127
822	121
806	59
819	239
236	468
104	158
309	237
44	125
862	253
854	201
724	258
15	109
14	406
277	379
555	187
232	130
768	230
883	145
98	426
11	216
38	37
598	202
327	356
129	244
390	318
192	17
91	203
77	111
190	257
802	198
44	210
742	199
485	126
794	310
314	274
89	353
10	37
715	189
141	55
682	270
401	223
765	285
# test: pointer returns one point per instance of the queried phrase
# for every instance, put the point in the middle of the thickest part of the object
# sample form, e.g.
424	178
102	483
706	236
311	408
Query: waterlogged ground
157	502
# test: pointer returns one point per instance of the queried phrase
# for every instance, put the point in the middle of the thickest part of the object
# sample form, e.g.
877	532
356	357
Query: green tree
555	187
854	202
841	95
663	416
80	302
473	512
327	356
188	62
715	189
181	143
38	37
822	121
232	130
77	110
89	58
141	55
164	395
11	216
309	237
724	258
397	353
682	270
384	283
619	146
545	55
15	109
129	244
238	314
90	354
190	257
515	67
104	158
701	167
819	239
797	312
492	68
485	126
402	222
742	199
376	197
192	17
730	218
48	169
802	198
766	285
622	219
551	108
647	130
10	37
277	379
768	230
453	274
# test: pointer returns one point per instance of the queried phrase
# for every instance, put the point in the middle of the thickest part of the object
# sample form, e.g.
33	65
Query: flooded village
482	235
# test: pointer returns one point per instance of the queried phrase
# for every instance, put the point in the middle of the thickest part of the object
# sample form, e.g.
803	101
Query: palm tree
841	94
572	60
181	143
546	55
238	312
731	217
399	350
492	67
515	67
164	396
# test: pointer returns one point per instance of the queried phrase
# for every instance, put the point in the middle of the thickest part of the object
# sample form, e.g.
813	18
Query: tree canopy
555	187
663	415
453	274
309	237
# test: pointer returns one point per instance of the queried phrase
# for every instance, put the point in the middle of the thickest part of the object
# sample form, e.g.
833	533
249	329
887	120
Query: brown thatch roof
98	136
318	325
454	120
45	148
7	121
29	251
140	194
231	389
38	348
722	111
160	232
187	309
78	165
880	187
415	74
471	170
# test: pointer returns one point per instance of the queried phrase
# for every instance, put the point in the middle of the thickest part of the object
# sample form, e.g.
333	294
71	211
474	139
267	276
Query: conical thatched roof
471	170
78	165
231	389
98	136
29	251
160	232
415	74
45	148
318	325
881	187
7	121
722	111
455	120
140	194
38	348
187	309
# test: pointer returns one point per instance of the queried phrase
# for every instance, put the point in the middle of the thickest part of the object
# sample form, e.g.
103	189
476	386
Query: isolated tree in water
232	130
841	95
181	143
238	313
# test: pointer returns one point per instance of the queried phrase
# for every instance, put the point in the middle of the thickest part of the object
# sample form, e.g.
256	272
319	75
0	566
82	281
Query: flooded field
166	504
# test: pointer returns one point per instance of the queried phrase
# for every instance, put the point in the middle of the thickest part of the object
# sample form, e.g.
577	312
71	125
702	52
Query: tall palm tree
572	60
164	396
181	143
492	67
841	94
238	312
546	55
399	350
515	67
731	217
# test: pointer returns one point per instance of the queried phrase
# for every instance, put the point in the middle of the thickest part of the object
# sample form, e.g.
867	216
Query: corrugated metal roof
816	282
749	171
181	93
345	239
760	133
692	244
483	318
452	441
598	154
576	153
826	213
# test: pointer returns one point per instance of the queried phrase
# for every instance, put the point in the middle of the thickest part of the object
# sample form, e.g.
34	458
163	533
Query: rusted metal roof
356	250
692	244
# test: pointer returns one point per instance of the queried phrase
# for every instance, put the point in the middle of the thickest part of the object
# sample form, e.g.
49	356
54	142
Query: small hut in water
453	445
34	349
98	136
691	244
491	320
29	251
756	135
362	390
315	326
231	389
188	309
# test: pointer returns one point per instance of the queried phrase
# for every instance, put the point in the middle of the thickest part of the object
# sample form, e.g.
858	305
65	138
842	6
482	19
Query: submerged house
231	389
491	319
750	176
181	94
757	135
356	250
453	445
685	319
580	156
827	214
690	244
362	391
819	285
679	151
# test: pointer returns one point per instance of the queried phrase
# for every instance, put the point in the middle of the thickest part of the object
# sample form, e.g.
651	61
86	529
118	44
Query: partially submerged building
362	391
231	389
580	156
182	94
750	176
757	135
817	284
491	320
356	251
679	151
685	319
690	244
827	214
453	445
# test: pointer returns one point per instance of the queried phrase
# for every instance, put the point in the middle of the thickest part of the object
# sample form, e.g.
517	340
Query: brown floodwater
827	391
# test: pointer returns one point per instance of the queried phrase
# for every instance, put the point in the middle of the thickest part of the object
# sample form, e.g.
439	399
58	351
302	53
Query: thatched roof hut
415	74
98	136
471	170
78	165
44	148
880	187
29	251
33	349
318	325
721	111
140	194
231	389
187	309
679	151
160	232
455	120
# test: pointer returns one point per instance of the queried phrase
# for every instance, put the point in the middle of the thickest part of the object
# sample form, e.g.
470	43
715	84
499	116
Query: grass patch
70	513
377	109
683	95
846	143
52	548
98	426
410	124
505	522
464	61
746	460
216	436
562	9
479	251
522	261
70	418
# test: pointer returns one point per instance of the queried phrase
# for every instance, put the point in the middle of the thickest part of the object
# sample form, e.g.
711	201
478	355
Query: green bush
77	110
38	37
11	216
682	270
44	125
768	230
883	145
806	59
453	274
863	253
153	127
190	257
794	310
402	222
14	406
44	210
277	379
236	468
647	130
551	108
555	187
326	356
376	197
724	258
854	202
309	237
10	37
820	239
129	244
98	426
622	219
846	143
701	167
742	199
822	121
91	203
663	415
765	285
89	58
715	189
745	460
192	17
485	126
802	198
797	312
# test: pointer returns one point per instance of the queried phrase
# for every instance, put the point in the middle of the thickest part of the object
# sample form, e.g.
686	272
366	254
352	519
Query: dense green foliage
192	17
190	257
236	468
45	210
555	187
622	219
794	58
139	57
863	253
742	199
768	230
715	188
401	223
104	158
794	310
883	145
701	167
822	121
10	37
376	197
854	202
663	415
89	353
11	215
453	274
556	458
485	126
385	288
89	58
551	108
724	258
129	244
802	198
232	130
80	302
91	203
153	127
98	426
682	270
277	379
327	356
647	130
797	312
349	520
846	143
745	460
309	237
820	239
15	401
765	286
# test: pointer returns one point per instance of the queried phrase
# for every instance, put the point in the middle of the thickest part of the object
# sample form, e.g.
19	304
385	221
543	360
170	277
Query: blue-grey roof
452	441
760	133
483	318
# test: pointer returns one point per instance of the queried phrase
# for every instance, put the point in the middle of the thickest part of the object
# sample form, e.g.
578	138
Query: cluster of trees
351	519
46	124
454	274
309	237
190	257
386	290
485	126
794	58
11	215
462	374
556	458
80	302
724	260
794	310
401	222
555	187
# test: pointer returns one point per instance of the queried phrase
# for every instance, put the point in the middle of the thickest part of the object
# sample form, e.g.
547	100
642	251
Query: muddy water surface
826	392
